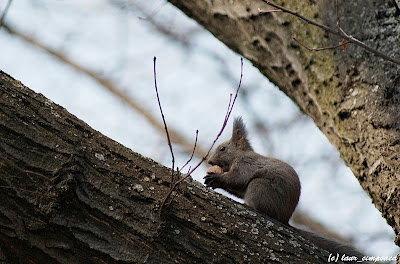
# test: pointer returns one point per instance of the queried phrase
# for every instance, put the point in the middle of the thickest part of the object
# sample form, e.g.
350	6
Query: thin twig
194	148
337	15
268	11
4	13
340	33
345	43
230	108
163	118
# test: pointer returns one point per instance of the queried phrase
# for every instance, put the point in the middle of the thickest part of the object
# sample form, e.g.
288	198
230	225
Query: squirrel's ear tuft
239	135
238	124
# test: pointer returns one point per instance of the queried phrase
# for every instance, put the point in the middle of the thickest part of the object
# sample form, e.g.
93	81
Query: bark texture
71	195
352	96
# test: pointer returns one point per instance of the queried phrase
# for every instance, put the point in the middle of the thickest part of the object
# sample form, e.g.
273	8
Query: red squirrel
268	185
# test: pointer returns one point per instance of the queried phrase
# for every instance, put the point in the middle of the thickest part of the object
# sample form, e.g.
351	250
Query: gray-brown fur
268	185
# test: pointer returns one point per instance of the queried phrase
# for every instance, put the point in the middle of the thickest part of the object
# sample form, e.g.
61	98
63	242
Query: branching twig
4	13
194	149
340	33
342	44
228	113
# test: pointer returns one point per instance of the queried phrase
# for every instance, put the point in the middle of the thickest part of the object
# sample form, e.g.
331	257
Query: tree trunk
352	96
71	195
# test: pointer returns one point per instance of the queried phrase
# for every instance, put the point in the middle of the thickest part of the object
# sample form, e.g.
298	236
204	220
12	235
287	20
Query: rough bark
352	96
71	195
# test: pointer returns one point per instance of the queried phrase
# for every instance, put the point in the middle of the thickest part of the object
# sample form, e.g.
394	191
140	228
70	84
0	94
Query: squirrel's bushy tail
334	247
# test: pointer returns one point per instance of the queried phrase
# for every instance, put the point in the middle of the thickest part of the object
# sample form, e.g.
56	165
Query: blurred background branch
4	12
110	86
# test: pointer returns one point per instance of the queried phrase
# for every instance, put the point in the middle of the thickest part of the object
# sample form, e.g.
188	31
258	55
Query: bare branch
230	108
194	148
341	44
163	118
340	33
268	11
337	15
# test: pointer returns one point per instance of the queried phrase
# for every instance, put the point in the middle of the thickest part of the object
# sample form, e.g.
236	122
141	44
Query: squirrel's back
274	189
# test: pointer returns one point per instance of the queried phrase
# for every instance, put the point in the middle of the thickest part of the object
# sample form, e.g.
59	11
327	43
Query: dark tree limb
71	195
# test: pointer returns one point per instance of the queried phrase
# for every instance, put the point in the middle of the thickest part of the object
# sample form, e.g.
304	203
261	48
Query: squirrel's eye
222	148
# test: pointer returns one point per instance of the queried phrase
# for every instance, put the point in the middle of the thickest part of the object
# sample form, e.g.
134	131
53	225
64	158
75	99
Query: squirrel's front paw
213	177
212	180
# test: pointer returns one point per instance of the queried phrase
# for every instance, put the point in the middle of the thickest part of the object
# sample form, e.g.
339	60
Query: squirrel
268	185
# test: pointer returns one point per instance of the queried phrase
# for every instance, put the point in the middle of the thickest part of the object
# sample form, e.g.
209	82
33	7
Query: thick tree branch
71	195
132	103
